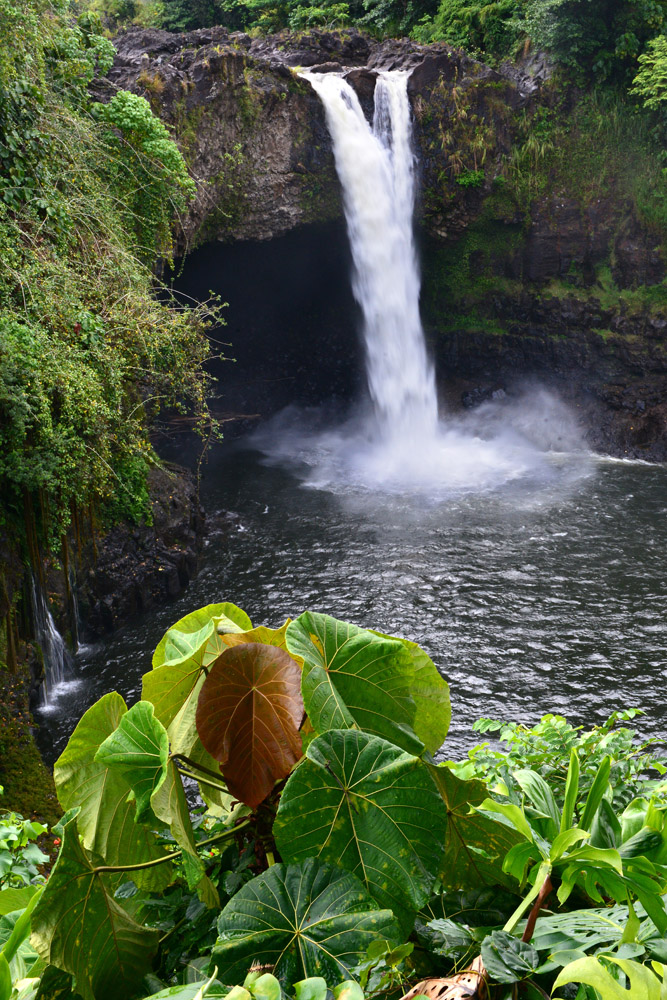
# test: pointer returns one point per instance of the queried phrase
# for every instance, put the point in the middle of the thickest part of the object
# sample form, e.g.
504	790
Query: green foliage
20	856
388	866
307	919
546	749
644	983
355	676
594	39
591	40
333	15
88	355
488	28
148	169
506	959
184	15
359	801
650	83
385	17
77	925
470	178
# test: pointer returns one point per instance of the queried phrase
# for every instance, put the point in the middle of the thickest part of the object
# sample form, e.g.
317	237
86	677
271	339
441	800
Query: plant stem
537	906
543	873
197	767
204	781
109	869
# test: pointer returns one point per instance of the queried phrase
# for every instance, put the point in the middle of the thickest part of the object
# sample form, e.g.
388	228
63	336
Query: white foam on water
58	692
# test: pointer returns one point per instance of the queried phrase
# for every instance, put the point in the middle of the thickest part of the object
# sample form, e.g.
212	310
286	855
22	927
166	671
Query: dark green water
547	593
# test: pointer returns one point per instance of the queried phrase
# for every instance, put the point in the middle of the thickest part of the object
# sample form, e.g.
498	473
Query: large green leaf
644	984
248	717
225	616
307	919
354	676
139	750
430	693
79	927
16	899
363	803
507	959
475	845
106	819
583	930
169	805
486	906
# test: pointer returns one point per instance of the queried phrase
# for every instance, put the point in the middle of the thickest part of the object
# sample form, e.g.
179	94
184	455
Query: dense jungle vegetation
270	814
600	41
88	352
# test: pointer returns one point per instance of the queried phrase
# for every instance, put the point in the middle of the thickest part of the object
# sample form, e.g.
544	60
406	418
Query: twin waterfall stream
376	170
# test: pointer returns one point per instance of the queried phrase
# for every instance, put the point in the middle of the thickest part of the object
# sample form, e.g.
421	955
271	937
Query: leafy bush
20	856
88	354
470	178
491	29
547	746
328	847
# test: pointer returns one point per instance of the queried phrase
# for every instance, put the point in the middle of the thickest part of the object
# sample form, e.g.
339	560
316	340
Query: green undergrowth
89	353
469	273
601	148
320	840
600	155
27	783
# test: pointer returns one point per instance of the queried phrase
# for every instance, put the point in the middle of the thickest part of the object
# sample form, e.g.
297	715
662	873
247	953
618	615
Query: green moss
606	294
468	273
28	785
188	124
320	196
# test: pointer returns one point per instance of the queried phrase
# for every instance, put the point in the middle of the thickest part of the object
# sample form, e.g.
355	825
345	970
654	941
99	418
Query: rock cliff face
545	280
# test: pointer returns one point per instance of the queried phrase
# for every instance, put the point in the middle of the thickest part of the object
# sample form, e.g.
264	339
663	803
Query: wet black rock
138	568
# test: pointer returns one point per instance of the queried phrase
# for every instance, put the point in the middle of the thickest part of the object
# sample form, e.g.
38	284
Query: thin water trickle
56	657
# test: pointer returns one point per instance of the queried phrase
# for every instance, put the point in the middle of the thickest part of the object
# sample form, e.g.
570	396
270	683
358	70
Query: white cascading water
404	448
55	655
376	170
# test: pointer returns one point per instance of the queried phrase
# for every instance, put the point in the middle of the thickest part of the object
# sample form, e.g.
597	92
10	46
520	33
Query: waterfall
375	165
55	654
404	449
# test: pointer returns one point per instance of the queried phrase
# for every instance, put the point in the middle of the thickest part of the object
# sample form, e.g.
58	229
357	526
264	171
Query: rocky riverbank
113	575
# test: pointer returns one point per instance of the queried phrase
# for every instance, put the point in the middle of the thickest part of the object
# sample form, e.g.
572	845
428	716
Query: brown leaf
467	985
248	718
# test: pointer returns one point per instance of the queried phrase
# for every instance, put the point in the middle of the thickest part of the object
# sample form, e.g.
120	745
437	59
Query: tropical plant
650	83
20	856
88	353
546	748
328	848
644	984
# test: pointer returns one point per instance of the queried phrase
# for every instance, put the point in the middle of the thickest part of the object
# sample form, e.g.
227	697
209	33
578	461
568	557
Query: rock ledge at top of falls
253	132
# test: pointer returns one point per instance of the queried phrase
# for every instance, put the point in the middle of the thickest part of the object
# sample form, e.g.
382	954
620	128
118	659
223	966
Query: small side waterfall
56	656
376	170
